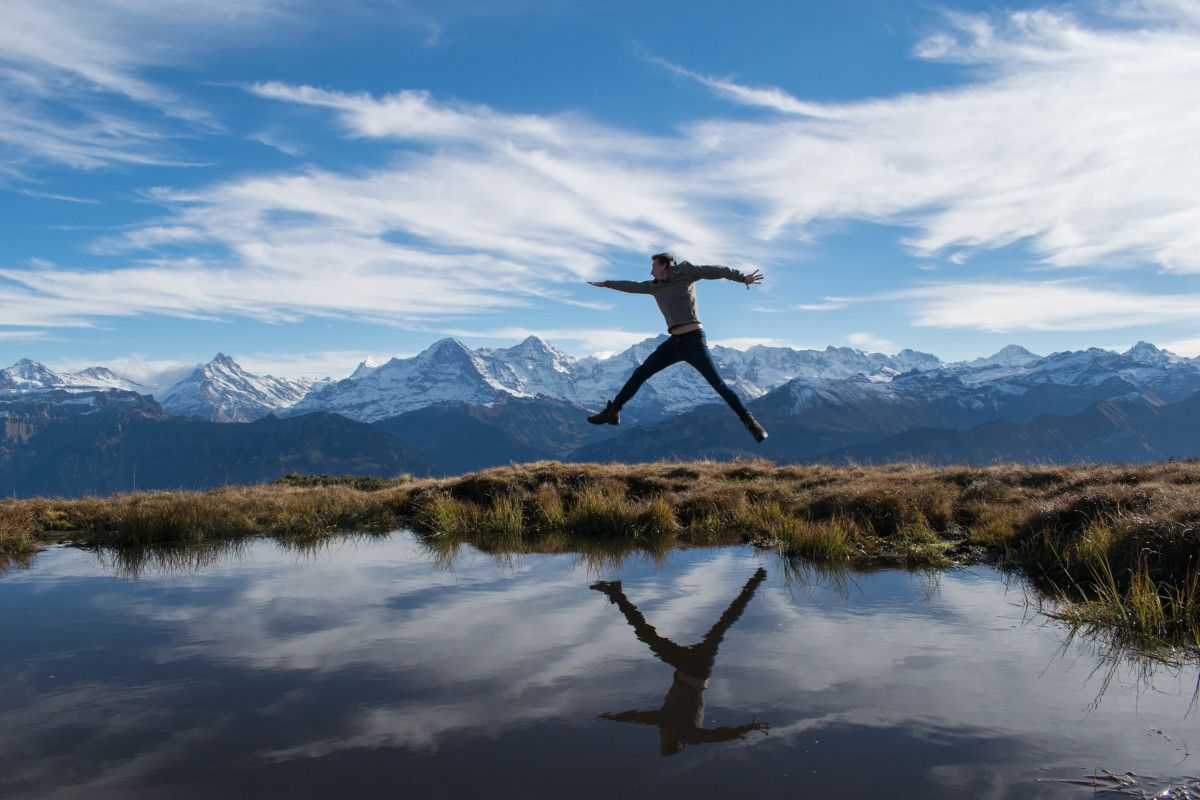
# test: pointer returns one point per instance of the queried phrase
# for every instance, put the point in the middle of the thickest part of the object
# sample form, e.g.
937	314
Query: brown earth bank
1119	539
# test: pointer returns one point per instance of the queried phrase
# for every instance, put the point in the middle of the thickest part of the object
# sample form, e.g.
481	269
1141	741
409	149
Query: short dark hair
668	258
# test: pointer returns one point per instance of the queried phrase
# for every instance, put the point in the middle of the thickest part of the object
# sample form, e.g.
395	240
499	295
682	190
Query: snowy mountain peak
1011	356
534	344
222	391
532	351
365	367
1014	353
907	360
31	376
446	370
223	363
34	375
1146	353
100	374
445	347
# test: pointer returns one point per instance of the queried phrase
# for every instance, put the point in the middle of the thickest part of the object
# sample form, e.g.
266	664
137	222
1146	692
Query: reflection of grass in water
1114	653
1135	611
310	547
191	558
595	555
1117	575
132	561
800	574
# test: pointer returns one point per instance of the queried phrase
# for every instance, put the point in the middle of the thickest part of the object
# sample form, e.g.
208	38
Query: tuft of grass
597	513
18	541
548	515
441	514
824	543
1133	609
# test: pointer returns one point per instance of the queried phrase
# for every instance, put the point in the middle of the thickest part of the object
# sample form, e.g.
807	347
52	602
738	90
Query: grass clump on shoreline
1117	544
19	534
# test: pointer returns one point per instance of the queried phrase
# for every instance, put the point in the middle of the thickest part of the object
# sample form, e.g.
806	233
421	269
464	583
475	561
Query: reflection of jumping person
673	288
680	720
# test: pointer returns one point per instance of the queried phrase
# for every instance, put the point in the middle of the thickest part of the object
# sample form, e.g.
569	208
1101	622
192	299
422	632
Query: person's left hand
752	278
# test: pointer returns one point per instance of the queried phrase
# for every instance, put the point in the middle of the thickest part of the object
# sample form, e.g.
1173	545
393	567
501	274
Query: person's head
660	264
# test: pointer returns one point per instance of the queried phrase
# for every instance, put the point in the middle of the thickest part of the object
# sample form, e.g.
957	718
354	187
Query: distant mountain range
102	442
451	409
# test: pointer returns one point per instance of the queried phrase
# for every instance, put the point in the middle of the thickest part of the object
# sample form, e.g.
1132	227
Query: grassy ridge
1120	539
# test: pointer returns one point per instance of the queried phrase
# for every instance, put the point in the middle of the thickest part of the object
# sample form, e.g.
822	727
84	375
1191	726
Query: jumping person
673	288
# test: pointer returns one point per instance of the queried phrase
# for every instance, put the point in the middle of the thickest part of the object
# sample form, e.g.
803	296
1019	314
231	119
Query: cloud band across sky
1073	140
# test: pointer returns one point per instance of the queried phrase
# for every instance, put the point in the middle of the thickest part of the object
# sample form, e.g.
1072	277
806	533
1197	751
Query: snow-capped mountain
911	388
30	377
221	391
1014	384
469	409
448	370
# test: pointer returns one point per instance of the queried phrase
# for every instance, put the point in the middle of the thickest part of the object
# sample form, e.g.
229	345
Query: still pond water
371	668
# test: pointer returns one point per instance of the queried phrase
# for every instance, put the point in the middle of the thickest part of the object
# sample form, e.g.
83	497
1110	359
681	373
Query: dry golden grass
1088	531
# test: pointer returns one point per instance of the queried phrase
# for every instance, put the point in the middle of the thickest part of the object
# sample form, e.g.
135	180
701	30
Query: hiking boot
755	429
610	588
611	415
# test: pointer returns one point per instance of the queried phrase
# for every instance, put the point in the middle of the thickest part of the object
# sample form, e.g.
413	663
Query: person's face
658	269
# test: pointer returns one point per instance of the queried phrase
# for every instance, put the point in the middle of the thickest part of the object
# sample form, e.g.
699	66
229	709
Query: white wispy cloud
387	287
1041	306
746	342
829	305
517	209
1184	347
21	335
770	97
64	198
72	85
869	341
1079	141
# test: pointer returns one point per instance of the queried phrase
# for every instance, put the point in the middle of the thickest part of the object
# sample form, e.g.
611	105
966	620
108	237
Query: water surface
370	668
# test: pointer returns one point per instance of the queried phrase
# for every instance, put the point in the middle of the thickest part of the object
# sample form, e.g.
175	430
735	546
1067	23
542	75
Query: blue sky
302	184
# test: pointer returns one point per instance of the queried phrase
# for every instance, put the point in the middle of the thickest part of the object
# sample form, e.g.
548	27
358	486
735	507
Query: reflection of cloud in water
970	658
419	658
43	744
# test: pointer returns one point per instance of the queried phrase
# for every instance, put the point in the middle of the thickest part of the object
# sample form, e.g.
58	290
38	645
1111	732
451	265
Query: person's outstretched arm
633	287
716	271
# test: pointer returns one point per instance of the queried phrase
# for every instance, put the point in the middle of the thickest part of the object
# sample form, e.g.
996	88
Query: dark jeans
691	347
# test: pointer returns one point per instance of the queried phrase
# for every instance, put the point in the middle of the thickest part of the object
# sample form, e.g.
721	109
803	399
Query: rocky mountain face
1122	431
462	437
63	443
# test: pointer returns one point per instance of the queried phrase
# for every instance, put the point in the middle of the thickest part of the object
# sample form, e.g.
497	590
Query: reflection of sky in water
365	670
